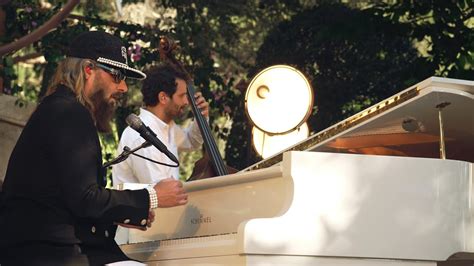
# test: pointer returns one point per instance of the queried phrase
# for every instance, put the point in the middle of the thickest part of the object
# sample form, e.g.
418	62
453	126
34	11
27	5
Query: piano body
370	190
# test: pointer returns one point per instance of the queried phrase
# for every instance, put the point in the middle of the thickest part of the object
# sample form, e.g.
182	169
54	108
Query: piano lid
406	124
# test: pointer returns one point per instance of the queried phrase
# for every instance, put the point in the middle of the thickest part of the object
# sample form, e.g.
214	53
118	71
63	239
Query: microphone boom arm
124	155
127	151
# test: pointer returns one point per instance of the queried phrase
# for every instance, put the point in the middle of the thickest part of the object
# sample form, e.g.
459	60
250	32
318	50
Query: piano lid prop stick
442	147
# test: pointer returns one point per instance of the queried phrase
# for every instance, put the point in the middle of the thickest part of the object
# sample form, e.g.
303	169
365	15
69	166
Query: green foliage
446	26
353	56
199	33
27	15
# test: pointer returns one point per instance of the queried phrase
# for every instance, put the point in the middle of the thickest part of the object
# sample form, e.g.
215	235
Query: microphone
146	133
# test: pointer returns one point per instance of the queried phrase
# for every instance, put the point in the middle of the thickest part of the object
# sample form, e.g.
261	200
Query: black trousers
44	253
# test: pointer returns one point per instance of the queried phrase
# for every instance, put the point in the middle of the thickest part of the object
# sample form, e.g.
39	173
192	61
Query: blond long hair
70	73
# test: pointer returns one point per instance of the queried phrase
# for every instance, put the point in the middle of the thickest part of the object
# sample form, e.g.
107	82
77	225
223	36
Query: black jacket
54	186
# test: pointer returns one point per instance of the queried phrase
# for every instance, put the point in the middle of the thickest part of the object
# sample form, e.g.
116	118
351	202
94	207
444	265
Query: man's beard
103	110
175	111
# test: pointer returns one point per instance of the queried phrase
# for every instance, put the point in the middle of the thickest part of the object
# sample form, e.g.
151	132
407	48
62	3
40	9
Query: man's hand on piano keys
170	193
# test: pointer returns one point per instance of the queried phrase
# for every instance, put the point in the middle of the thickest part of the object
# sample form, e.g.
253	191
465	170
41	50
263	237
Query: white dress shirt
138	170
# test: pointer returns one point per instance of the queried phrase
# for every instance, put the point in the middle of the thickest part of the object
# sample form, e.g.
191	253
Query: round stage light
279	99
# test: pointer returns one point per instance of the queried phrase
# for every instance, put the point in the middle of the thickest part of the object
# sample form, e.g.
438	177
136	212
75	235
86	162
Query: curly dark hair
160	78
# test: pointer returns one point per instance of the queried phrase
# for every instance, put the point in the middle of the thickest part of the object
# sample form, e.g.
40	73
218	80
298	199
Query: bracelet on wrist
153	197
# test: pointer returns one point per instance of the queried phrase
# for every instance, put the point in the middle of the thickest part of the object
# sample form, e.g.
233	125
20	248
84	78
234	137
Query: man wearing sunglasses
117	74
55	208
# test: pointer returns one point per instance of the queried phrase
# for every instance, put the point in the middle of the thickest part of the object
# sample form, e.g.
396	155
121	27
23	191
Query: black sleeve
75	152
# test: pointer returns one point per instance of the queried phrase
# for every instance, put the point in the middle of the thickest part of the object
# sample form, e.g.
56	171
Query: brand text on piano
201	220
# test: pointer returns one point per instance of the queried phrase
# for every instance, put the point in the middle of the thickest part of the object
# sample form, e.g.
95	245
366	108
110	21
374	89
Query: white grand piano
373	189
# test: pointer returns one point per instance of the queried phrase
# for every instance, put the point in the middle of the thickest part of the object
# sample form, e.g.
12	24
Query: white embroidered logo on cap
124	54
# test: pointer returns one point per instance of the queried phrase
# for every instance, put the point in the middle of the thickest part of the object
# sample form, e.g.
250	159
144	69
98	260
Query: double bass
211	164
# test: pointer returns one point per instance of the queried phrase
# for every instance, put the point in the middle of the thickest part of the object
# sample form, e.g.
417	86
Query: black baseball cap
105	49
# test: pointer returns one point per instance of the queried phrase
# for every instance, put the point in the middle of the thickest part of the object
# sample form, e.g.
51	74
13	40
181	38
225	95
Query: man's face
105	95
178	102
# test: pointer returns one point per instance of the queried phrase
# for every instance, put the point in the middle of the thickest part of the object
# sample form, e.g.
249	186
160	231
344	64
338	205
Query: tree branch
27	57
37	34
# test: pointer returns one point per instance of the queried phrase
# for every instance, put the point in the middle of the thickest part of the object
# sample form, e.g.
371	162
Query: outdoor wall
12	120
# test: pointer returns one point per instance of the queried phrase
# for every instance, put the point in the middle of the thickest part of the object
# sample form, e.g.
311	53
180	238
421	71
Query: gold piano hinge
341	126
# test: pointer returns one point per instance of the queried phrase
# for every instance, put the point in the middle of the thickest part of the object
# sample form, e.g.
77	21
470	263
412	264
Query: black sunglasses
117	74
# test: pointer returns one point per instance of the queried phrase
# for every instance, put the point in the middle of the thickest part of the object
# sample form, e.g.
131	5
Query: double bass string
209	142
166	48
